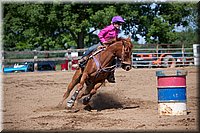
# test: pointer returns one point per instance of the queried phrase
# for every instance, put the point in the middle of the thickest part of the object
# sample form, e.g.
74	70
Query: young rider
107	36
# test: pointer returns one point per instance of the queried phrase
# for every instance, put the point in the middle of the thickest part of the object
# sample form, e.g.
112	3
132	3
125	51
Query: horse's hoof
85	100
68	108
70	103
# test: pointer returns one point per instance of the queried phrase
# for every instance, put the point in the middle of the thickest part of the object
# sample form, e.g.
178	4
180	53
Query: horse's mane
120	40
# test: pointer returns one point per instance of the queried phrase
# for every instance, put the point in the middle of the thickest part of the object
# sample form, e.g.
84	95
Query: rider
107	36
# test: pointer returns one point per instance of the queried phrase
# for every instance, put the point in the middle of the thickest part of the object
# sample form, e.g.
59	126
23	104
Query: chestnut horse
97	70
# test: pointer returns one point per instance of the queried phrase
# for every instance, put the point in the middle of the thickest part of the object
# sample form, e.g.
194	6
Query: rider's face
117	25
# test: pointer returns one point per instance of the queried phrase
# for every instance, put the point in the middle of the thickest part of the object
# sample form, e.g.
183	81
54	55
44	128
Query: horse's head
122	49
126	57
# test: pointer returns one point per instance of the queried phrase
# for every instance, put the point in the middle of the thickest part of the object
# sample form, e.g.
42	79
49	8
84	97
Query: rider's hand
119	39
101	46
105	43
110	41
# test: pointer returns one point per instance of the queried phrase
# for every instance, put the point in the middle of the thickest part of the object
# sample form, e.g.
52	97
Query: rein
97	62
100	69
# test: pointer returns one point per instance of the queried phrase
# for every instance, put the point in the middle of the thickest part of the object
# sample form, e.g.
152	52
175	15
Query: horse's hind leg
87	90
75	80
92	92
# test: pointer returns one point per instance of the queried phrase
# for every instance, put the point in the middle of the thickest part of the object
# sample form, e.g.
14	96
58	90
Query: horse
97	70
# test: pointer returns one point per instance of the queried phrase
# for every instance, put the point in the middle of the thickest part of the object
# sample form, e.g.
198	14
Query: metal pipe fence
141	57
162	57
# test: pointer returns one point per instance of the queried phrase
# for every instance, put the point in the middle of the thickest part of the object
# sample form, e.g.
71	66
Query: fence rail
142	57
162	57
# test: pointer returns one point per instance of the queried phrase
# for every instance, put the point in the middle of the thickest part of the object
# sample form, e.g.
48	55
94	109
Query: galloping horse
97	70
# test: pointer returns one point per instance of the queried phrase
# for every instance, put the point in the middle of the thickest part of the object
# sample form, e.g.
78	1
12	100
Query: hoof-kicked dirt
130	104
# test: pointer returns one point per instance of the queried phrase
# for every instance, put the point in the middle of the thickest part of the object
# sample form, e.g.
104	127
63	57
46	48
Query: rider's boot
83	61
111	77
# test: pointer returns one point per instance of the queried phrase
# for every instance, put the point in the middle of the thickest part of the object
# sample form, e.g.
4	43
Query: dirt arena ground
30	101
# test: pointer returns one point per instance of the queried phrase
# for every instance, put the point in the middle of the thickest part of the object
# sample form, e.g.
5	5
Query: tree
52	26
28	26
187	38
156	22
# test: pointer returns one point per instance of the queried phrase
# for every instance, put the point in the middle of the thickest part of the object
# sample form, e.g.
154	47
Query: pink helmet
117	19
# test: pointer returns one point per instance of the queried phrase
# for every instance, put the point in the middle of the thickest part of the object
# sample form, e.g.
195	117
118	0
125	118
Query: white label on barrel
178	108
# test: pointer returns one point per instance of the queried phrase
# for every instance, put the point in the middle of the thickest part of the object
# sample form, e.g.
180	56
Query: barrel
64	66
171	89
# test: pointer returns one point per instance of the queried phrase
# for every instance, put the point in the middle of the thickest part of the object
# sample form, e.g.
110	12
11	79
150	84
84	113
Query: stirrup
82	64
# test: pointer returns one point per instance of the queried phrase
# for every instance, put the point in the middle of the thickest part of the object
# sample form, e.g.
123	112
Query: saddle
96	52
90	56
106	69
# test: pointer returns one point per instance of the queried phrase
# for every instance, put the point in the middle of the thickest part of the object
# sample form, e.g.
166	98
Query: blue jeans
91	49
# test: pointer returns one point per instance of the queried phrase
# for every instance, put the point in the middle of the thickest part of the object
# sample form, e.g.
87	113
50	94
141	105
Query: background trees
59	26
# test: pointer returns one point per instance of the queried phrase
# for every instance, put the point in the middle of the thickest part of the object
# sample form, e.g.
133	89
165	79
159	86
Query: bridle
126	49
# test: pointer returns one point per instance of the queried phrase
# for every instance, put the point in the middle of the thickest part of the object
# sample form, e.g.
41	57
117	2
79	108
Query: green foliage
161	20
29	26
187	38
160	32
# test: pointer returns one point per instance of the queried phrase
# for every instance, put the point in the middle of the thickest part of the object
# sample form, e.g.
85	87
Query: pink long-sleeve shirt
108	33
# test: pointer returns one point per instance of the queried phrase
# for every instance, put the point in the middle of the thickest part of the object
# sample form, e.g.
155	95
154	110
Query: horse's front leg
71	102
92	92
75	80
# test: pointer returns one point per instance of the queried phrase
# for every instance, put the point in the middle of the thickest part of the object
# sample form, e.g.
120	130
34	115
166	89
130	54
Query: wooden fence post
2	60
35	61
